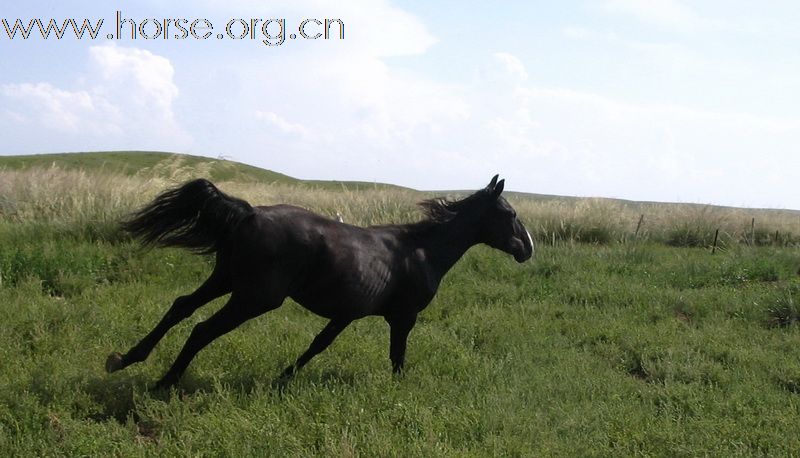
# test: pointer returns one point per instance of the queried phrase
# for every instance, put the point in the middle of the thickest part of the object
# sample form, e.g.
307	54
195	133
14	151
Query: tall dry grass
604	221
97	200
54	195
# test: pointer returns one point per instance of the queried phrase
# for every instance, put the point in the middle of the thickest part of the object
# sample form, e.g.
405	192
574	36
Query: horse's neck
447	243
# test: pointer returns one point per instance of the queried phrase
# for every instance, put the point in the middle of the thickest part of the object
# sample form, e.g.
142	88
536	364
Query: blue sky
664	100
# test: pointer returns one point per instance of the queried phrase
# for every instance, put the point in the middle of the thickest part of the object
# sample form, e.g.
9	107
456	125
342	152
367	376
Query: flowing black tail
195	215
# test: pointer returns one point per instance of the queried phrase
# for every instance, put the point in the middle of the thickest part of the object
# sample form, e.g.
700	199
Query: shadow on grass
116	396
248	383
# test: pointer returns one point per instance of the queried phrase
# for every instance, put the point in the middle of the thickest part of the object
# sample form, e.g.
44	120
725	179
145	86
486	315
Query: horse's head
499	226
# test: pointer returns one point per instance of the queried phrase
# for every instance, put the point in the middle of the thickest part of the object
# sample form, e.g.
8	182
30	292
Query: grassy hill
141	163
161	164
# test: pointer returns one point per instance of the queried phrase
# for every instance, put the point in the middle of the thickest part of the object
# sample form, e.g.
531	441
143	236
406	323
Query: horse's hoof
280	383
163	385
114	362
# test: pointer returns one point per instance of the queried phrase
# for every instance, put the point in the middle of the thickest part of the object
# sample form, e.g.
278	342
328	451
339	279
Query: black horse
336	270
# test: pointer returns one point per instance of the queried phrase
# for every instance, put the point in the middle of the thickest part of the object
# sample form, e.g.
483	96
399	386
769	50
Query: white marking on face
529	239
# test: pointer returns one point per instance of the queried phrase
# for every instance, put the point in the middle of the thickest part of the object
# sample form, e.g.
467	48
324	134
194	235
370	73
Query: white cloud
71	112
512	65
125	100
150	75
281	124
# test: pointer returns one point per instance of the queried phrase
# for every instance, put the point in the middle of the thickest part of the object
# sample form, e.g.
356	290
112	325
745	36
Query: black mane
441	210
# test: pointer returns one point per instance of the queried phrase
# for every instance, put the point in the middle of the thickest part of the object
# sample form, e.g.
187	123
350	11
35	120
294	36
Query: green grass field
615	347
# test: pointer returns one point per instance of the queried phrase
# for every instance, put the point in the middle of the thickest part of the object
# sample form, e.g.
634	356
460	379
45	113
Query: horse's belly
345	297
338	306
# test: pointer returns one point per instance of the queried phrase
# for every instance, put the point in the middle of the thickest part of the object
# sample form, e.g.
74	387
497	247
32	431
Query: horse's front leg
399	328
320	343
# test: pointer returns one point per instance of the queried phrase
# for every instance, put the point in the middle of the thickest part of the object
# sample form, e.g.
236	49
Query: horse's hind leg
215	286
231	315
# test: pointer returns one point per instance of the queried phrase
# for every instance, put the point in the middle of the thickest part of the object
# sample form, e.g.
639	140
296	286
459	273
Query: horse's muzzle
526	248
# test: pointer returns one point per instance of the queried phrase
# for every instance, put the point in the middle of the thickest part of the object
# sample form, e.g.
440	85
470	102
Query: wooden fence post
716	236
638	226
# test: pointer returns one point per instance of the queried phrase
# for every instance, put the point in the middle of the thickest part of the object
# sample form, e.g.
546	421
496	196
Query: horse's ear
493	183
498	188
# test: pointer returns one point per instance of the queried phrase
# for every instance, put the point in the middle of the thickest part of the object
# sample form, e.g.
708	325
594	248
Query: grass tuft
784	311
